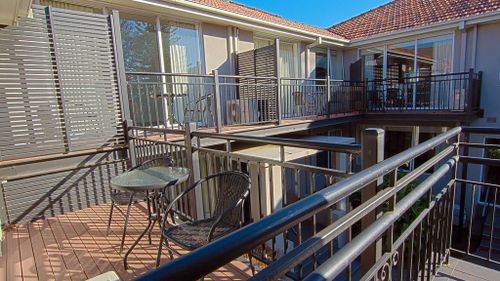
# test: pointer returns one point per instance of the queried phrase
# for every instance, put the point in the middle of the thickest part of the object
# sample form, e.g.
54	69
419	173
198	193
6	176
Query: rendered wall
215	45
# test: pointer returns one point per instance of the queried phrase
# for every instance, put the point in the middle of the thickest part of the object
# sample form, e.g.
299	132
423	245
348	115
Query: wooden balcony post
217	101
192	161
372	143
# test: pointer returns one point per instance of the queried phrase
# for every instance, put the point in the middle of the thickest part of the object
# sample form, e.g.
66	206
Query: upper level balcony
228	101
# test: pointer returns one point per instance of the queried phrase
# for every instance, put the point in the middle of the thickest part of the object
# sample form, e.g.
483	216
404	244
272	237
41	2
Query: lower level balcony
76	246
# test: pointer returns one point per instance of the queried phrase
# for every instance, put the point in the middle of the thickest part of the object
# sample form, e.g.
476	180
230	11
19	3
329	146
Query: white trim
463	50
227	17
328	62
230	50
474	47
201	47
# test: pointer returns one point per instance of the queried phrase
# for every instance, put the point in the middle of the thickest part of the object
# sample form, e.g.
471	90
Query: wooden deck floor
75	246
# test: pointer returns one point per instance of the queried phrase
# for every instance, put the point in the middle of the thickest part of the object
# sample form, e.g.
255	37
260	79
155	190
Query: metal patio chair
199	109
125	198
231	190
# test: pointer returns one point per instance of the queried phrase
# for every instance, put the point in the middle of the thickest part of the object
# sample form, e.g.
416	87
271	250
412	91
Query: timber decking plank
43	267
74	241
71	261
13	256
28	266
81	230
105	246
75	246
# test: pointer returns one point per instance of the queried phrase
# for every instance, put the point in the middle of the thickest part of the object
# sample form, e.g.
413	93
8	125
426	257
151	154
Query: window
140	52
181	48
434	55
373	60
288	60
400	61
321	68
261	42
336	66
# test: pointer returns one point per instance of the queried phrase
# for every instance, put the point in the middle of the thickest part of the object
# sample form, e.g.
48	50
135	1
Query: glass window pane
400	61
288	66
434	55
336	66
140	51
373	60
181	49
321	67
261	43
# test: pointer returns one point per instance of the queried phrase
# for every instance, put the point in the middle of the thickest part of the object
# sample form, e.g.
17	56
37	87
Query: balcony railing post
217	101
372	152
192	161
328	95
278	80
365	98
469	92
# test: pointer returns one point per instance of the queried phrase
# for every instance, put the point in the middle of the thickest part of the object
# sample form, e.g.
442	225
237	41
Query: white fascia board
436	27
226	17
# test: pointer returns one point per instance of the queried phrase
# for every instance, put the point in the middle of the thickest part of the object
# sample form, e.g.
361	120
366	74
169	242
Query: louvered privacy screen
259	62
58	84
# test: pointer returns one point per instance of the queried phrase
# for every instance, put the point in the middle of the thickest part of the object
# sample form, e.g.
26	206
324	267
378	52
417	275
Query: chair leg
250	261
171	254
110	217
126	221
150	230
160	247
149	210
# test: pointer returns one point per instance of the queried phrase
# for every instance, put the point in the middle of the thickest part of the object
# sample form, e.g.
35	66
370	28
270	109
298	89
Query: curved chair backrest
232	188
159	161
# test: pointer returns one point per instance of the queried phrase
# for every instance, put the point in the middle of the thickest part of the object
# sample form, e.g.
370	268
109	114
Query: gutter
331	39
459	23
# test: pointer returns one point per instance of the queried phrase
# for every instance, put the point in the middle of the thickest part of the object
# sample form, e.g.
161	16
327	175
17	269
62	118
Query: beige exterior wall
488	61
215	45
245	42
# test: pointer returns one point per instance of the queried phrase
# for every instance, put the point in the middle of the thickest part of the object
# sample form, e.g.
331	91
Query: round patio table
155	179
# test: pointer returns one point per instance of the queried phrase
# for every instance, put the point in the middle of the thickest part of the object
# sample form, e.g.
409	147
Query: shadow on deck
74	246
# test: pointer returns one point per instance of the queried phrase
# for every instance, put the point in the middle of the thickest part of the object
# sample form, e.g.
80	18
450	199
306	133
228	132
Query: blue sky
321	13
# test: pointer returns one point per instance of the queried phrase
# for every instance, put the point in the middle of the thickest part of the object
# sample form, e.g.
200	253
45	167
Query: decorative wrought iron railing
400	228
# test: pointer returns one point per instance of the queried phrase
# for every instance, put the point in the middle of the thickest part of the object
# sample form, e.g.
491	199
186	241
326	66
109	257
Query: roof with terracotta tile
406	14
241	9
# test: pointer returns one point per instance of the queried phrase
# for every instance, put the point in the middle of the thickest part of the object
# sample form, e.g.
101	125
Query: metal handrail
335	147
224	250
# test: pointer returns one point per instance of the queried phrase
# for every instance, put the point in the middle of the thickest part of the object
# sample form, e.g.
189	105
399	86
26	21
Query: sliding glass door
158	45
181	55
407	70
434	56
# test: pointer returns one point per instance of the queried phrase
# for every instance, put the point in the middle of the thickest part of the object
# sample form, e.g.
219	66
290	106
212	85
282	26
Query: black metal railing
170	100
283	170
408	220
440	92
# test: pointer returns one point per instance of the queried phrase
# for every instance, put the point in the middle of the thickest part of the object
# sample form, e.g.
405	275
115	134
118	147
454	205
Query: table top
150	178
